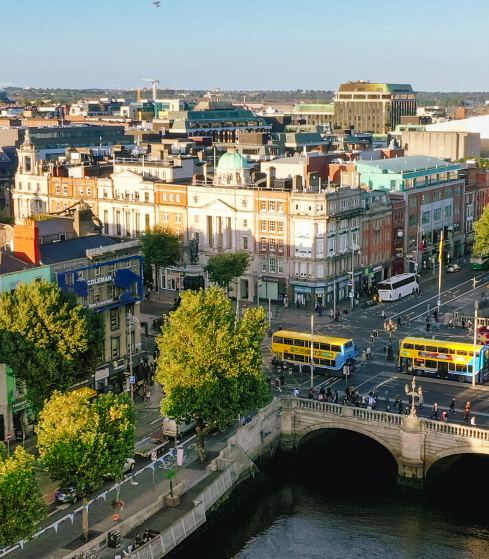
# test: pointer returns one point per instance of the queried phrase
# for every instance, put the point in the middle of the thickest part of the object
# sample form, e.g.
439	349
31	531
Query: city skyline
252	46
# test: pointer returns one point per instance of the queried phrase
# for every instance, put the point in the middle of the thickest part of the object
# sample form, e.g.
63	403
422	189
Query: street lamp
390	326
352	290
415	394
131	321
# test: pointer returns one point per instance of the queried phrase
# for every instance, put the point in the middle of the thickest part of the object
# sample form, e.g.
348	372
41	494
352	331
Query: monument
193	279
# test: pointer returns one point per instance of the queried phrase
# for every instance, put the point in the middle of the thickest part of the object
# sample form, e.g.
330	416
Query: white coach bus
397	287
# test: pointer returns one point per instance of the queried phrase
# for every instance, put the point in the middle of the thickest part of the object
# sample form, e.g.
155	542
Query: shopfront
172	278
272	288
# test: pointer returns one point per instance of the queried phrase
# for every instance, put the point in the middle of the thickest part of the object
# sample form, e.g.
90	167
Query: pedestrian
286	306
472	421
137	541
320	397
386	397
148	395
418	292
463	323
345	400
296	392
298	305
466	415
407	319
320	309
444	416
329	394
452	405
427	327
399	322
450	323
368	353
331	313
396	401
434	409
437	323
364	400
383	314
468	405
400	407
336	396
311	394
421	401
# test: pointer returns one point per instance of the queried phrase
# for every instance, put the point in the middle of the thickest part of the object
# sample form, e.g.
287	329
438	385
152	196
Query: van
170	428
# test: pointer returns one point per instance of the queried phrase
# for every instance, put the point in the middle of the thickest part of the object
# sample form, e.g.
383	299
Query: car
453	268
129	466
67	496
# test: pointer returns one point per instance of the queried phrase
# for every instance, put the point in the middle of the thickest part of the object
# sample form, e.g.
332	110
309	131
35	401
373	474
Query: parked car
129	466
67	496
453	268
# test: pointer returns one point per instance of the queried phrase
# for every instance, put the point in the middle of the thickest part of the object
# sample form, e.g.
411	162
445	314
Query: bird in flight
156	4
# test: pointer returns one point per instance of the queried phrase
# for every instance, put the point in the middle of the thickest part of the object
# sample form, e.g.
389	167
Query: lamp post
390	326
131	321
474	361
415	394
352	290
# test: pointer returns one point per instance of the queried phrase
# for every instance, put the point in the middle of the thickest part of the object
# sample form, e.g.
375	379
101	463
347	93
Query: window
245	243
437	214
115	344
354	222
263	205
114	319
244	202
448	211
263	243
271	265
147	222
436	196
178	218
332	207
271	244
171	197
263	225
448	193
280	245
280	226
117	222
178	197
458	191
319	271
280	206
271	226
165	217
104	193
106	222
344	204
58	206
196	219
89	191
413	220
296	269
280	265
165	196
57	187
146	196
65	189
81	190
303	270
137	224
426	218
245	223
263	263
271	206
413	201
456	208
425	198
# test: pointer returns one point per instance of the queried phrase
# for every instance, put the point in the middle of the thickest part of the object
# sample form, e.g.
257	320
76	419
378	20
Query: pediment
218	205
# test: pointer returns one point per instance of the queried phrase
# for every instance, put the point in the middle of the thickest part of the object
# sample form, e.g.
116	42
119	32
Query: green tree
161	248
80	442
482	161
225	268
6	218
210	365
48	340
21	502
481	228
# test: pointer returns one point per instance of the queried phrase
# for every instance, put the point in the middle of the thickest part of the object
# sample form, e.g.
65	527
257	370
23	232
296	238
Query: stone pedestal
194	278
172	501
410	464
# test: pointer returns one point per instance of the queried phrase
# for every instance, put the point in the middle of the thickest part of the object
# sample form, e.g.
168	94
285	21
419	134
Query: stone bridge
417	445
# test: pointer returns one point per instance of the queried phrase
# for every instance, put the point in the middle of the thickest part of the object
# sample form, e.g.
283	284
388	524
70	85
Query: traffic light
277	382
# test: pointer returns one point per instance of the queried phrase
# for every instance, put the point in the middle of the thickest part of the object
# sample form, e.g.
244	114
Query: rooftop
314	108
382	87
407	164
74	249
9	263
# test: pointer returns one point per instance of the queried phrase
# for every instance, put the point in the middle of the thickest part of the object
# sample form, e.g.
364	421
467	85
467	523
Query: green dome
232	161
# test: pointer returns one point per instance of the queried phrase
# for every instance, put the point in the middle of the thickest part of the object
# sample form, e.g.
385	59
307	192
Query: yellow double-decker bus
330	353
443	359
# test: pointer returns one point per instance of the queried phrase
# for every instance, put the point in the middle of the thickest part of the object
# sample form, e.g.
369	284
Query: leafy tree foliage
6	218
81	442
223	268
481	228
48	339
482	161
21	502
210	365
161	248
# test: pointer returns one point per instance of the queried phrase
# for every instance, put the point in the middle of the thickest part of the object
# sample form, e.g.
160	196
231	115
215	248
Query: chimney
26	241
83	222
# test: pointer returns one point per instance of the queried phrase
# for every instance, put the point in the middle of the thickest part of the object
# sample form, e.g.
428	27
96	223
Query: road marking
156	420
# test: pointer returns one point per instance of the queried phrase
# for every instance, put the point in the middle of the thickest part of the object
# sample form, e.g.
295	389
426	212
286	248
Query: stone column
410	465
287	442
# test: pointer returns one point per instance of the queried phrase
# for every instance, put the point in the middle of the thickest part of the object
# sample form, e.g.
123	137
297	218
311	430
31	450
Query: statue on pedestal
193	251
193	279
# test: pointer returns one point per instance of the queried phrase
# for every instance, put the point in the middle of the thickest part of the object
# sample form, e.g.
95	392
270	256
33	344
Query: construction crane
154	82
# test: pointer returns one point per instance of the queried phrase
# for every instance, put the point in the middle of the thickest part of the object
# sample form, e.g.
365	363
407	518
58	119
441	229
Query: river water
340	500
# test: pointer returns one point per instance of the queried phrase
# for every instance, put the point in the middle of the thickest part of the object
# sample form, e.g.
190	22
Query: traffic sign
438	302
351	294
350	282
153	456
132	380
9	436
15	394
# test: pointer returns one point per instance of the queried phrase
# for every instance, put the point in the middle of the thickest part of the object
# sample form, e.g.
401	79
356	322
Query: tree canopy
48	339
224	267
210	365
481	228
81	442
161	247
21	502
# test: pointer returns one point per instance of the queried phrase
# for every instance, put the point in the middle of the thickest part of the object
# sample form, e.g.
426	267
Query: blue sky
435	45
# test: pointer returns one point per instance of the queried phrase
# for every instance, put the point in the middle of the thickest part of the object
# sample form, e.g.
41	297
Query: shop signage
103	373
366	271
377	268
103	279
300	289
20	405
275	280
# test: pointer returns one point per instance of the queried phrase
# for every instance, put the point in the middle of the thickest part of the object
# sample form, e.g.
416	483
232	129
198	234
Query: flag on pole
440	251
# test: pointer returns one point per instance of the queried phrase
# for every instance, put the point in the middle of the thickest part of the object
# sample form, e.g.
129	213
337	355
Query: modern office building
373	107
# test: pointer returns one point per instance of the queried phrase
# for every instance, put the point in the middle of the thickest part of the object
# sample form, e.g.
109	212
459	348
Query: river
340	500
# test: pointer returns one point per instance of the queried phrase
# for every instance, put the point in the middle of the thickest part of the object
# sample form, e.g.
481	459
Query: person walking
400	407
450	324
336	396
427	326
296	392
466	415
148	395
463	323
311	394
452	406
386	398
407	319
472	421
329	394
331	313
434	409
383	314
396	401
368	353
421	401
399	324
444	416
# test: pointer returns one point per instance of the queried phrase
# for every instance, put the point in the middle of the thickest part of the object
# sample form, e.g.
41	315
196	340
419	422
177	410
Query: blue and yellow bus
443	359
330	353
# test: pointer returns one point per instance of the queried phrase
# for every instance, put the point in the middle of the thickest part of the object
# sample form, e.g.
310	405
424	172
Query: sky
434	45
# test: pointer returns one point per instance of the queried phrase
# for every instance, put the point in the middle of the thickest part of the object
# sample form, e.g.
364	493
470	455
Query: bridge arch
352	429
453	452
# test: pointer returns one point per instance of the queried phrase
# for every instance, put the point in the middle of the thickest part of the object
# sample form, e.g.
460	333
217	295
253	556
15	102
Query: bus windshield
387	286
